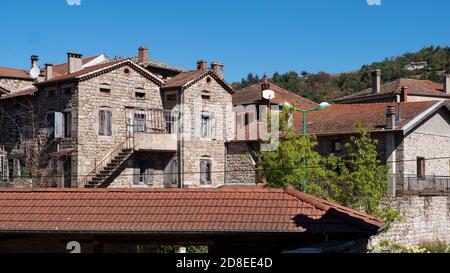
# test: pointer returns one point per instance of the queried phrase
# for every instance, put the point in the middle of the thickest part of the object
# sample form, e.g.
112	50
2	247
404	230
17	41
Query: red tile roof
343	118
222	210
19	92
188	78
15	73
415	87
253	94
62	69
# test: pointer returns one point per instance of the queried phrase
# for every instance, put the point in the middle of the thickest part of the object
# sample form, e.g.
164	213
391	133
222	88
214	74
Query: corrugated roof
222	210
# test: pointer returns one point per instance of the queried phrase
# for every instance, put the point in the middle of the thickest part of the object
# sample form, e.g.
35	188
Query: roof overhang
423	116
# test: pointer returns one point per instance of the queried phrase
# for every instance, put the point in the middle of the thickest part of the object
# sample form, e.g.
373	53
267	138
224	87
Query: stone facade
241	164
424	219
13	84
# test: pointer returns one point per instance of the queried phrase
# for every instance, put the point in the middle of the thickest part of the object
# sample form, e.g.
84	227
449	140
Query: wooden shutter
136	172
101	120
213	126
149	172
108	123
59	123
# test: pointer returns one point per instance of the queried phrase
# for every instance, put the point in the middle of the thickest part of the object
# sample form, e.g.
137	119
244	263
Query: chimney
34	61
404	94
48	72
447	83
201	65
376	81
218	68
74	62
143	55
390	118
265	85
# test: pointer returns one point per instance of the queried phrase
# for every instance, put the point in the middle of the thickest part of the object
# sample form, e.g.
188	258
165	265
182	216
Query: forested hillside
323	86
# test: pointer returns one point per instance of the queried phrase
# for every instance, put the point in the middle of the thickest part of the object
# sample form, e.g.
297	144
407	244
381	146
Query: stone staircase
103	173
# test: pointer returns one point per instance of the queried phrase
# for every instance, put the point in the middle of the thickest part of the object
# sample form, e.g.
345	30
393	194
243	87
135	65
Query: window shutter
109	123
208	172
59	122
101	120
202	171
213	126
136	172
149	172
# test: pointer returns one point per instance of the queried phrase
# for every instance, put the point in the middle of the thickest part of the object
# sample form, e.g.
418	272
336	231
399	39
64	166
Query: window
205	171
337	146
421	167
205	99
139	122
171	174
206	126
105	91
105	122
139	95
143	172
67	124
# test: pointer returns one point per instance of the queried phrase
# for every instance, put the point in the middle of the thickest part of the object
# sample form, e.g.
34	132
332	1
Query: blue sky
247	36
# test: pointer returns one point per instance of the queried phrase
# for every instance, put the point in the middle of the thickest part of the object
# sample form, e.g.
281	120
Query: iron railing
428	184
154	121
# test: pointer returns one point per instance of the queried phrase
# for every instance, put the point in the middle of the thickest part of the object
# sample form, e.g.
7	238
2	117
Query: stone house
123	123
400	90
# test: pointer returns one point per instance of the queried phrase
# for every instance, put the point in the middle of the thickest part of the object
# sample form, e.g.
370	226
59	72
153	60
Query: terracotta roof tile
415	87
343	118
15	73
227	209
187	78
253	94
19	92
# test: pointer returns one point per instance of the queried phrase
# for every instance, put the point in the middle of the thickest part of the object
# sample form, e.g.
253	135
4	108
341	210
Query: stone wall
195	147
240	165
13	84
424	219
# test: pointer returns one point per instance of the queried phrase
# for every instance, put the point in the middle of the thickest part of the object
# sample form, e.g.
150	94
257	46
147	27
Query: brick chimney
201	64
48	72
376	81
447	82
404	94
143	55
74	62
218	68
390	118
34	61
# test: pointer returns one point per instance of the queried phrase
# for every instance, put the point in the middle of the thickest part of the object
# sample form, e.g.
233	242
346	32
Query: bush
435	246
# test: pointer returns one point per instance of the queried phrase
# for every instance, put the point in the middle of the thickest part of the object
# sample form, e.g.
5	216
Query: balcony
427	185
153	129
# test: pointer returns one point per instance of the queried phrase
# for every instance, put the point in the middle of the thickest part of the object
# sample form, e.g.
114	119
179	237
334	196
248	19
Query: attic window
208	80
139	95
105	91
126	71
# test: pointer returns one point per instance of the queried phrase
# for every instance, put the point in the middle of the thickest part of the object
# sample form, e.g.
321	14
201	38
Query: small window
143	172
171	174
337	146
205	171
206	126
105	122
171	97
421	167
139	95
105	91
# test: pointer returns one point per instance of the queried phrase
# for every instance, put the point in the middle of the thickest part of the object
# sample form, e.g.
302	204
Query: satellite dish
268	94
35	72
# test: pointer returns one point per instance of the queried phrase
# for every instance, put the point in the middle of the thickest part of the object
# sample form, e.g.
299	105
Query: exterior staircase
103	173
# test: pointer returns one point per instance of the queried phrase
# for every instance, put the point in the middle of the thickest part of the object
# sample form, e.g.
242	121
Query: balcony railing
439	185
154	121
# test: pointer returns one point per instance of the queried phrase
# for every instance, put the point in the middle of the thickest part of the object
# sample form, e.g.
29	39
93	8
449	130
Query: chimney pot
376	81
390	118
34	61
74	62
201	64
404	94
48	72
143	55
218	68
447	83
